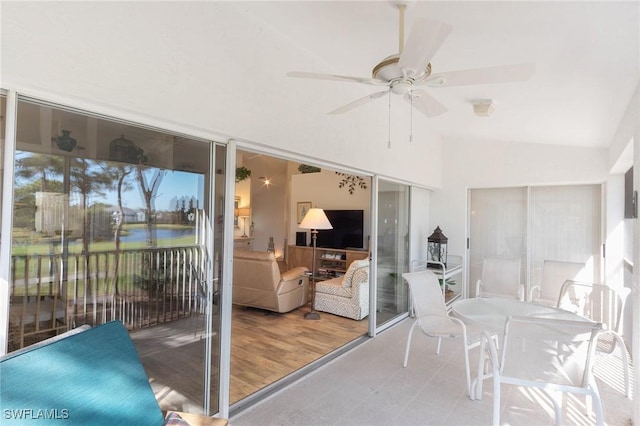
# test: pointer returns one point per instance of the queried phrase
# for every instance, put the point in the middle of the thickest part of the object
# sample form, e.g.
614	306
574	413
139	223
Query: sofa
348	295
258	283
87	376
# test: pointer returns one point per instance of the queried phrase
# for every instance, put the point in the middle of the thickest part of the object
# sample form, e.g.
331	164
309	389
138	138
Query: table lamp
314	219
244	212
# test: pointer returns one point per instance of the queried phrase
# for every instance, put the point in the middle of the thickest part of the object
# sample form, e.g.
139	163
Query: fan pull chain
389	141
411	118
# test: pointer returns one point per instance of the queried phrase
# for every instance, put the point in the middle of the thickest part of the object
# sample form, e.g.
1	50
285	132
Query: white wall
269	203
474	164
615	232
420	222
623	153
624	133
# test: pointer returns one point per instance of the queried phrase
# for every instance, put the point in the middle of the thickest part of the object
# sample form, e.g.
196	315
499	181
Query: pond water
137	235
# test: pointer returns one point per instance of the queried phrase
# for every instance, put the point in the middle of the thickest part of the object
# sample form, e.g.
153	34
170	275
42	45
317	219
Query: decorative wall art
303	208
351	182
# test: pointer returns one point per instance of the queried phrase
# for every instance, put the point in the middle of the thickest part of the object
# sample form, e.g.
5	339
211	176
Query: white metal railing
142	287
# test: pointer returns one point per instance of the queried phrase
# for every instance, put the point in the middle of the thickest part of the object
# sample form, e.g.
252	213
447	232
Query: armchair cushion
257	282
355	265
334	286
294	273
360	276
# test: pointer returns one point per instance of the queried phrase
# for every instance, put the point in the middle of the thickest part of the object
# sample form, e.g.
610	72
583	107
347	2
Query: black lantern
65	142
437	247
125	151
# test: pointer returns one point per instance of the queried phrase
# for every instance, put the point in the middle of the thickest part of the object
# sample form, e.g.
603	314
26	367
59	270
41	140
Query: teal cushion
91	378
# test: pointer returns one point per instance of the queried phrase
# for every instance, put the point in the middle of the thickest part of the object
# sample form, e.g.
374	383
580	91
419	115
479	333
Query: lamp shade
315	219
244	211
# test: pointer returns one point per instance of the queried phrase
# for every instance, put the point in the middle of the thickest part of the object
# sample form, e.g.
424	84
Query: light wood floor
265	347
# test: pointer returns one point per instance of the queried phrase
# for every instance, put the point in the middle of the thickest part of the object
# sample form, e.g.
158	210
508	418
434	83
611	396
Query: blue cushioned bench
85	377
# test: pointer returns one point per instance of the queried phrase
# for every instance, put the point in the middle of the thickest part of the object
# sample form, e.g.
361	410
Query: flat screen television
347	232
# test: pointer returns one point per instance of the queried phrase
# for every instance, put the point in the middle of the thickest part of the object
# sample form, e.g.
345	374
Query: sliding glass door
393	251
111	221
497	228
535	224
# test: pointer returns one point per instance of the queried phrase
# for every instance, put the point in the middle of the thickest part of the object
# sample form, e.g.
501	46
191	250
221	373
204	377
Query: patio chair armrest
534	288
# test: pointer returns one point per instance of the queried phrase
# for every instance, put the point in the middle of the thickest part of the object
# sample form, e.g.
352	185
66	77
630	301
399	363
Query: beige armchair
348	295
257	282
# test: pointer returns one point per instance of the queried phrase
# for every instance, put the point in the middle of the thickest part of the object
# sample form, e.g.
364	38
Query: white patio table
491	315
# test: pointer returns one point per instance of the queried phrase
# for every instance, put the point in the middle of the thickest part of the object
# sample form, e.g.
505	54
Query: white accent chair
500	278
603	304
554	274
432	318
348	295
555	356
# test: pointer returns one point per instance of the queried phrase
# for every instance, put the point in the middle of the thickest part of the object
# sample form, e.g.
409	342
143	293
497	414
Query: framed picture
303	208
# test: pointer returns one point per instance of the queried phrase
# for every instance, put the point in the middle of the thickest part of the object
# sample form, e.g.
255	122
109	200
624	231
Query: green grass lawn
100	250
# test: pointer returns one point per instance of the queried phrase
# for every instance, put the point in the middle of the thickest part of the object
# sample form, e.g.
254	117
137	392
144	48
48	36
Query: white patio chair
554	274
603	304
500	278
555	356
432	318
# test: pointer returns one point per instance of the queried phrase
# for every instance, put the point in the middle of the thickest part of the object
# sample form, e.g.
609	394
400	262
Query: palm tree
149	192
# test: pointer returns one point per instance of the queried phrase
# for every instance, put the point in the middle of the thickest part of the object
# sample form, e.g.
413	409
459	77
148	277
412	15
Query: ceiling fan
408	71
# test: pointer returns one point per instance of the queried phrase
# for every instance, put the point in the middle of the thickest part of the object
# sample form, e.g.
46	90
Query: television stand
329	262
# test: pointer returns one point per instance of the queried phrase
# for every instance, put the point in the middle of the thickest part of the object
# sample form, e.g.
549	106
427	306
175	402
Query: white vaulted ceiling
223	65
586	55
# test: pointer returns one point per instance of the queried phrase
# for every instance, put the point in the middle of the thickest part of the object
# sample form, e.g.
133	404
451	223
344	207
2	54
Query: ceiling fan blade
318	76
489	75
357	103
425	103
424	40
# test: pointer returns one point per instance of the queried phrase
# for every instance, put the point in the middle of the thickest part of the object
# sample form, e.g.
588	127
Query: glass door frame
7	216
374	329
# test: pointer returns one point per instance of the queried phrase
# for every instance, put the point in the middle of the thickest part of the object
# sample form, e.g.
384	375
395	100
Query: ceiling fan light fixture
388	70
401	87
483	107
